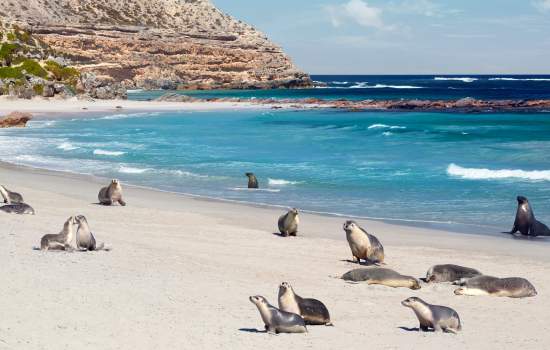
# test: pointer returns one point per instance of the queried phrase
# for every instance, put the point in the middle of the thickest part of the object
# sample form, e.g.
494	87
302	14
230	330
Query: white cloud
422	7
543	5
358	11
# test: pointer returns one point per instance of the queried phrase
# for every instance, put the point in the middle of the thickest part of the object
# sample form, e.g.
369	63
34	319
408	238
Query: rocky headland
153	44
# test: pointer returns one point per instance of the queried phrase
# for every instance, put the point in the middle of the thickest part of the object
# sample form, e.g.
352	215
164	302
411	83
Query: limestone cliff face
185	44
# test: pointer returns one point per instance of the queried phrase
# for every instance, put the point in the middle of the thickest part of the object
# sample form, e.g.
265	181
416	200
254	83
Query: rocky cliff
185	44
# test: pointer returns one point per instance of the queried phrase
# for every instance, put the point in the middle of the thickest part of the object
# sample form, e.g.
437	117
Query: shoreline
454	227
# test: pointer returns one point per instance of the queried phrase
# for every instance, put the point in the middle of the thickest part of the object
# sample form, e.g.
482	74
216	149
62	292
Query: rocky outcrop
15	120
168	44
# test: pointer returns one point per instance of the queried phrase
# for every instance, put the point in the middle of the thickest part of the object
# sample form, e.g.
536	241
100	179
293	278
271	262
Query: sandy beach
181	270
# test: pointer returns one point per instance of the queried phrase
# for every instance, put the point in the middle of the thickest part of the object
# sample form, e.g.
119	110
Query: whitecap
132	170
359	86
382	86
520	79
281	182
66	146
339	82
387	133
101	152
465	79
484	174
384	126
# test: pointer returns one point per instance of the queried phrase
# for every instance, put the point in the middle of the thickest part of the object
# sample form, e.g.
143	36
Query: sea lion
313	311
62	240
440	318
288	223
363	245
383	276
525	221
252	181
85	239
449	273
18	208
111	194
9	196
277	321
513	287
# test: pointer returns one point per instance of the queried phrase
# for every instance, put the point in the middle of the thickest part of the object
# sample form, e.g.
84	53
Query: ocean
451	170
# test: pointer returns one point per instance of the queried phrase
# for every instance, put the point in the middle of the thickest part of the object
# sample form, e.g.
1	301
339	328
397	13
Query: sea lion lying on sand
449	273
383	276
512	287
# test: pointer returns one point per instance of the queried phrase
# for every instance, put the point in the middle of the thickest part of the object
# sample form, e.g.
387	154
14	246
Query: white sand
60	107
182	269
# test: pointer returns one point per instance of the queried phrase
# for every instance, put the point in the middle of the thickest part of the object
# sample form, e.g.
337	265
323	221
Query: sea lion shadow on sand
363	263
252	330
73	251
414	329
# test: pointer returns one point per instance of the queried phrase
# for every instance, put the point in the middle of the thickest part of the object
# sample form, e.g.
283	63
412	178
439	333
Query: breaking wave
464	79
485	174
101	152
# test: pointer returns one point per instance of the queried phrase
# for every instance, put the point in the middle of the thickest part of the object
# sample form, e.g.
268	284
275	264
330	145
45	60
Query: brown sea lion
525	221
277	321
111	194
363	245
313	311
439	318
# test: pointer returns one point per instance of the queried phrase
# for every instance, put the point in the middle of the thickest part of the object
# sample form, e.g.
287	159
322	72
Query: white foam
483	174
255	189
384	126
465	79
281	182
382	86
101	152
387	133
359	86
340	82
66	146
131	170
520	79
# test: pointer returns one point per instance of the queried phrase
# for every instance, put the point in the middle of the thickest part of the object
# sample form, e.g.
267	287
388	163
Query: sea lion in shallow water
525	221
18	208
252	181
382	276
111	194
288	223
313	311
512	287
439	318
85	239
62	240
277	321
449	273
10	197
363	245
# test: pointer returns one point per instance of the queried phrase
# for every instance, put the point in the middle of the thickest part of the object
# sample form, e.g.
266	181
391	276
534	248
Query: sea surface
450	169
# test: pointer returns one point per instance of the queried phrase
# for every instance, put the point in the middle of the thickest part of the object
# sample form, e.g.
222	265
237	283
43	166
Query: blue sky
405	36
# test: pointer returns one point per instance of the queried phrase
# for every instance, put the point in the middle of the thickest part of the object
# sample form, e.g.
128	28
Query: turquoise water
418	167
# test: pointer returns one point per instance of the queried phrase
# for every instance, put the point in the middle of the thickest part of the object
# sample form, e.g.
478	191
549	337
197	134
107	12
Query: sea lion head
350	225
30	210
249	174
460	291
415	284
81	218
294	211
258	300
522	200
284	288
115	181
411	302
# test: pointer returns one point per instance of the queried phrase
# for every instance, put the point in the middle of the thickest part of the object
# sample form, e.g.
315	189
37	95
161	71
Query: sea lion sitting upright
277	321
525	221
111	194
288	223
18	208
363	245
382	276
85	239
440	318
313	311
449	273
252	181
9	196
513	287
62	240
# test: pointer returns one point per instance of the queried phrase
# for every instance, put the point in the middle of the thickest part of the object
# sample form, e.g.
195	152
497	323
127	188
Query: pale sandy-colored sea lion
363	245
85	239
512	287
252	181
288	223
18	208
111	194
449	273
439	318
62	240
10	197
525	221
313	311
382	276
277	321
